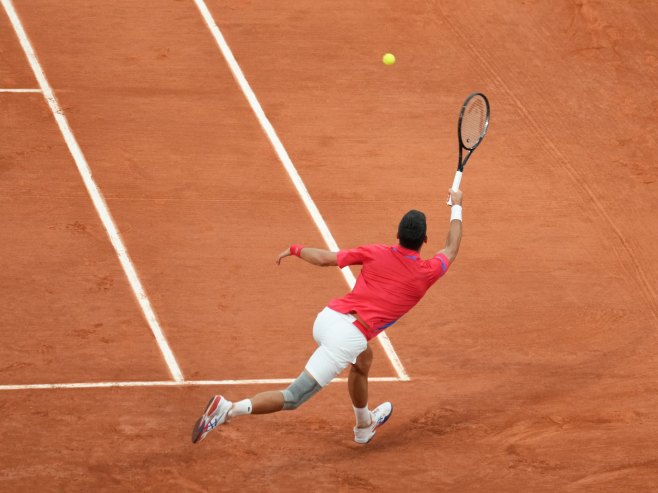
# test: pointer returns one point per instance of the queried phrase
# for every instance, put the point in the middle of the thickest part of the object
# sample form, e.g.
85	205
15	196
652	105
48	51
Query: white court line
20	90
94	192
290	168
171	383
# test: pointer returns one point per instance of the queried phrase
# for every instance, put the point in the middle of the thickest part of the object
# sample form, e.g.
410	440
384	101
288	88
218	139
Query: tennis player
392	280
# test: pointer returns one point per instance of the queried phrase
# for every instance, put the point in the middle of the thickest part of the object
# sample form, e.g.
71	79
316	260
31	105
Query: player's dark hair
412	229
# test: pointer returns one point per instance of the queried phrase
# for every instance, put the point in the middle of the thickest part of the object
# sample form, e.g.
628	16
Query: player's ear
425	240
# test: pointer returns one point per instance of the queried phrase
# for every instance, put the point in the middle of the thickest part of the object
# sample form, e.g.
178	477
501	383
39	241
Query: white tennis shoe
379	416
215	414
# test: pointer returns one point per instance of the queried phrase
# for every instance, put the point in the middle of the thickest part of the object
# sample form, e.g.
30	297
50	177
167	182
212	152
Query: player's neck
410	249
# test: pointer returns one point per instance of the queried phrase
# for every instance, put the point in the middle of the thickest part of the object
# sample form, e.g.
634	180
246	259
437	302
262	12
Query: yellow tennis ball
388	59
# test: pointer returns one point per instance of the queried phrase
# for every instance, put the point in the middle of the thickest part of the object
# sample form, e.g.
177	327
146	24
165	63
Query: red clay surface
533	362
14	71
68	313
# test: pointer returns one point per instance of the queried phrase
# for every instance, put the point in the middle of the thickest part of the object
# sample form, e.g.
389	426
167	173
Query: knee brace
302	389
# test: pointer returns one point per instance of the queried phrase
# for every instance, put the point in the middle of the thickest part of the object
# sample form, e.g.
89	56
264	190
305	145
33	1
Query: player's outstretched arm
455	232
315	256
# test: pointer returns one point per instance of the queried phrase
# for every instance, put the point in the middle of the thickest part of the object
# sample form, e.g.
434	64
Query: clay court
144	201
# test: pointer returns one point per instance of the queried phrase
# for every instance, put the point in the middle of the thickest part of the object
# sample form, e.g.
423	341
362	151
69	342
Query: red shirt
392	280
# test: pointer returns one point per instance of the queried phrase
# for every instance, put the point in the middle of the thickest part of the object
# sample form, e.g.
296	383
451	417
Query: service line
290	168
94	192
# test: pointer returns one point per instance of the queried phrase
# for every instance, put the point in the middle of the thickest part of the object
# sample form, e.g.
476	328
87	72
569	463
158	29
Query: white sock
363	418
240	408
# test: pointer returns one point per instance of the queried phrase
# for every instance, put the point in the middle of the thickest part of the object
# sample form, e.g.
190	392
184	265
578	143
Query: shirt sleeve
439	265
353	256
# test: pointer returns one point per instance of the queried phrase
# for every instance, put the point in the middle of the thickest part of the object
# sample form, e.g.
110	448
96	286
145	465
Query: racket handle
455	184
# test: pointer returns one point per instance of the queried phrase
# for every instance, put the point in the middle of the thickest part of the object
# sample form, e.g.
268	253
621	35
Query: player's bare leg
267	402
273	401
357	381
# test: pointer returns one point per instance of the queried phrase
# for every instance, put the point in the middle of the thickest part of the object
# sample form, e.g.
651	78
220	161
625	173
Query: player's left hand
455	196
283	254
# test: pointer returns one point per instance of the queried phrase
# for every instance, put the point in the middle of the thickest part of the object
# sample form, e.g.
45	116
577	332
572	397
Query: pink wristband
296	250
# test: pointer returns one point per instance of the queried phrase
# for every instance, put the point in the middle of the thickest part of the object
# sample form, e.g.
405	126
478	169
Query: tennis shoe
378	417
215	414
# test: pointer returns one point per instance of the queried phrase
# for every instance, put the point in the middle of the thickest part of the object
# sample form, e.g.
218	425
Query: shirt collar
407	252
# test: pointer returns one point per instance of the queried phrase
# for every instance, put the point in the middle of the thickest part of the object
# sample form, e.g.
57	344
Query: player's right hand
455	196
283	254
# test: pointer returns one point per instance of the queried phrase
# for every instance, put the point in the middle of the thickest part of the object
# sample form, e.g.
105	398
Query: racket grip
455	184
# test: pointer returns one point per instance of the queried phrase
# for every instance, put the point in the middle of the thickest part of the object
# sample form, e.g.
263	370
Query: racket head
473	121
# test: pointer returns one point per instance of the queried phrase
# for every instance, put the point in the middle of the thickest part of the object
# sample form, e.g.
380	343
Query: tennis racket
471	129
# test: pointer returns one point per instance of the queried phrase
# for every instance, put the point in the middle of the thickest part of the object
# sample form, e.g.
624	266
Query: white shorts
340	344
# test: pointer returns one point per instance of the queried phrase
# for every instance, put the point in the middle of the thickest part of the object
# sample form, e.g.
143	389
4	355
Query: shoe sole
380	424
197	431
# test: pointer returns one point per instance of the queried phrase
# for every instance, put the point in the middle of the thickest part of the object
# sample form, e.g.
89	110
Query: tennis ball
388	59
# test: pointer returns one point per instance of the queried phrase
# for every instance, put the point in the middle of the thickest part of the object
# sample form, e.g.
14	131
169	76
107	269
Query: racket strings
473	122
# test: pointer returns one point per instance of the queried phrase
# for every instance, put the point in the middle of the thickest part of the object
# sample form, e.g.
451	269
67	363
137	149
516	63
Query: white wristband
456	213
